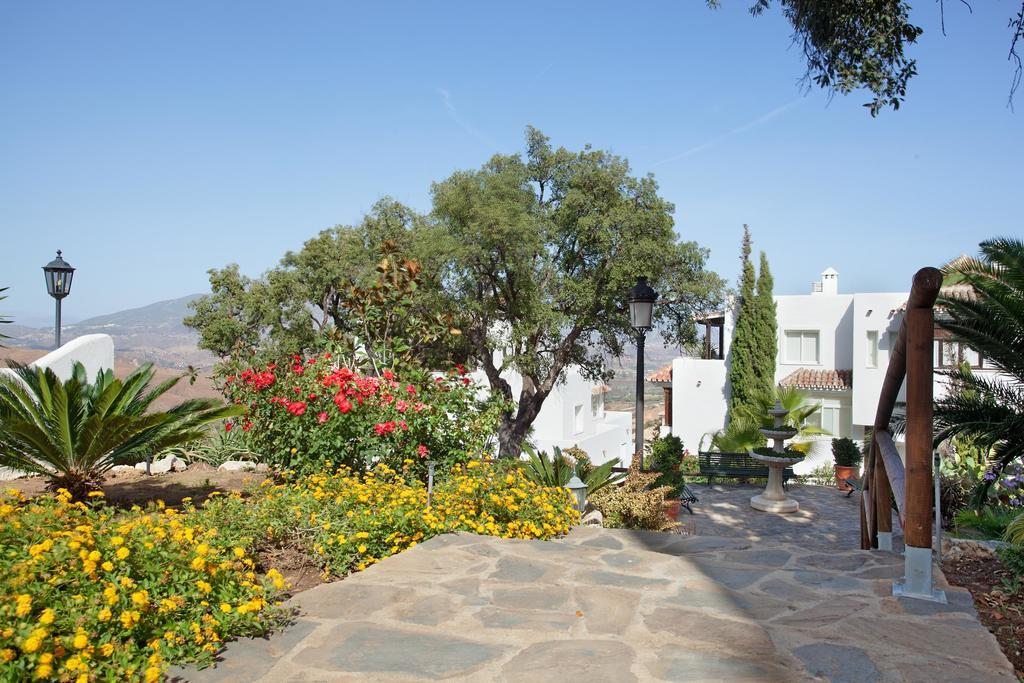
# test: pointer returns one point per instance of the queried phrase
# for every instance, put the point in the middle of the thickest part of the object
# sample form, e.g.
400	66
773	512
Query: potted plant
847	456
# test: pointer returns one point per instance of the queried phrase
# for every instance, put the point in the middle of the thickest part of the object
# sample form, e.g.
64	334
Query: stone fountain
774	498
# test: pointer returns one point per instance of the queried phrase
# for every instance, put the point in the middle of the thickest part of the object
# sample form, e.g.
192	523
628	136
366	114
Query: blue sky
153	141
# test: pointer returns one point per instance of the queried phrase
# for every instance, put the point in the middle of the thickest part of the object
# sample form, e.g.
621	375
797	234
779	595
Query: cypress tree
743	381
766	340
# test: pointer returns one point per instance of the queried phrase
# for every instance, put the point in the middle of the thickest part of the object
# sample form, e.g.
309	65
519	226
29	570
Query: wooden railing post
917	529
882	496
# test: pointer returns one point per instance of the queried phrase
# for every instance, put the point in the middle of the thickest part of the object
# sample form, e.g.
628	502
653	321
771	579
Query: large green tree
754	345
542	250
767	327
854	44
350	288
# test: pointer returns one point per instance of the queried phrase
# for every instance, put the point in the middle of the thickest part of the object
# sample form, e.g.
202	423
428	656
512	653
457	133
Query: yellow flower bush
348	522
95	594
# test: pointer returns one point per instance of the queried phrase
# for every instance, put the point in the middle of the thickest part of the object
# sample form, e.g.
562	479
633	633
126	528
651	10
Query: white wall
872	312
603	437
830	315
94	351
699	399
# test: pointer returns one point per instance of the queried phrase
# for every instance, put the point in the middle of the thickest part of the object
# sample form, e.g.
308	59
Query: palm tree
74	431
988	316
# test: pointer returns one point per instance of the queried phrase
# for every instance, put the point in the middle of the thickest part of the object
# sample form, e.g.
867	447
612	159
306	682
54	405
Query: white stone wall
94	351
699	399
873	312
604	436
831	316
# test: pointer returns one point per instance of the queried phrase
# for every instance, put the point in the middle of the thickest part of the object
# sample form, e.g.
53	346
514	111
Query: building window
801	346
597	405
829	419
577	418
872	350
950	353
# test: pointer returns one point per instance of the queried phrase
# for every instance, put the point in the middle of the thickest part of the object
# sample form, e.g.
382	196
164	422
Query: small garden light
579	490
58	274
430	480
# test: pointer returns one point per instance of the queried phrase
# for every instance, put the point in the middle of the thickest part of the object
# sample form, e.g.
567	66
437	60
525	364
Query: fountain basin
781	433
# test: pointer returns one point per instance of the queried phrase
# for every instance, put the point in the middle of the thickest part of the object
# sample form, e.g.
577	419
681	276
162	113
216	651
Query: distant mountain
152	333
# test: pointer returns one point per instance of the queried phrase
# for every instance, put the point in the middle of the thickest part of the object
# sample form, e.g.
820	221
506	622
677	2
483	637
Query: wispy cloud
754	123
449	105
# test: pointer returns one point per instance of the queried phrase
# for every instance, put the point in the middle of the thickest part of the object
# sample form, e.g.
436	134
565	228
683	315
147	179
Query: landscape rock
117	469
164	465
592	518
238	466
957	548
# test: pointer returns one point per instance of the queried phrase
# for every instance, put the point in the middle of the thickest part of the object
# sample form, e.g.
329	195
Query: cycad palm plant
558	470
989	318
74	431
796	402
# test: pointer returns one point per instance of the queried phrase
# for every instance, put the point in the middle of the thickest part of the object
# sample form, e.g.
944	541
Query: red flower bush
345	417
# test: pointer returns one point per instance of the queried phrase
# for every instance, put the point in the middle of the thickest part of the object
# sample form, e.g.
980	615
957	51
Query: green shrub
1012	557
215	448
822	475
306	412
637	503
347	521
115	595
558	469
846	452
990	522
955	496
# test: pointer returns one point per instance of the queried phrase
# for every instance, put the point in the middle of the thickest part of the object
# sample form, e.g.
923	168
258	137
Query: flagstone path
613	605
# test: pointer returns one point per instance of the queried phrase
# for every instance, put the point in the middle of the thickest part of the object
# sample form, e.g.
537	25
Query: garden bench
735	465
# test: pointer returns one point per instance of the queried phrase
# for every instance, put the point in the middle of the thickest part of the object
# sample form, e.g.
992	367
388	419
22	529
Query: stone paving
826	518
730	604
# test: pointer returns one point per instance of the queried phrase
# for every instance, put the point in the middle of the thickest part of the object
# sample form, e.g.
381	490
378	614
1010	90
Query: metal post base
917	577
885	540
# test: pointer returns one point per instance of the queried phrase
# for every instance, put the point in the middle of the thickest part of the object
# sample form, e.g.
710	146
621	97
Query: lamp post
58	274
641	312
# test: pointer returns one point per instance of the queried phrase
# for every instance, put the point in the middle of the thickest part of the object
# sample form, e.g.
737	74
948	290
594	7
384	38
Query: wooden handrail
894	468
885	473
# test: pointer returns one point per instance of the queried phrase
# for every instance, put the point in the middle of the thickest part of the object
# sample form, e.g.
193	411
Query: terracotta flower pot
672	508
842	474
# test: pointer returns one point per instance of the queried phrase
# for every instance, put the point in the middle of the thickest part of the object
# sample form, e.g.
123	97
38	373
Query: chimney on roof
829	284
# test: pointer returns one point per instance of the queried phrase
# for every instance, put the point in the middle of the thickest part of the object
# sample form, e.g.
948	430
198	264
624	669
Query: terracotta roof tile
600	389
819	380
662	376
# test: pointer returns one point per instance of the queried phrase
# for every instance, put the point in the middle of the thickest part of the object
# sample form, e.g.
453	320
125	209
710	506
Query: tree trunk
514	426
510	438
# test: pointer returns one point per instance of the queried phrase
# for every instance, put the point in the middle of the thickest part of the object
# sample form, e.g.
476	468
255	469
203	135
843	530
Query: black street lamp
58	274
641	311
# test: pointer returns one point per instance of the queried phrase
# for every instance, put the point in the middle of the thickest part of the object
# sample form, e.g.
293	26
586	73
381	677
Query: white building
833	346
573	414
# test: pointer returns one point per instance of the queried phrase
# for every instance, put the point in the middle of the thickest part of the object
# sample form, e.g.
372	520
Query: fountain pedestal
774	498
